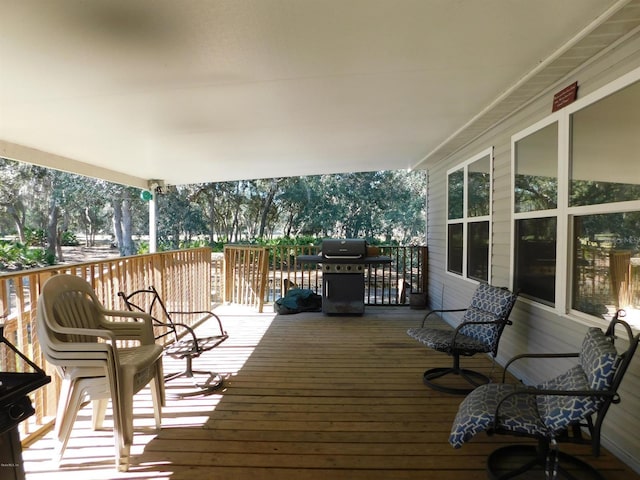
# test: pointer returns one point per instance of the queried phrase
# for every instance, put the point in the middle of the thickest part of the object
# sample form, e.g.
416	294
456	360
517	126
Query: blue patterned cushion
485	333
439	338
595	372
598	358
495	300
488	304
477	411
559	411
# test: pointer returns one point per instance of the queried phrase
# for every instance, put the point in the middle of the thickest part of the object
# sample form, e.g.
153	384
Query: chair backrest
69	301
148	300
600	370
488	304
67	306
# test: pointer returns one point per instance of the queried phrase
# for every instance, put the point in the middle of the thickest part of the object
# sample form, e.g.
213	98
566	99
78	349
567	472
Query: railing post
424	255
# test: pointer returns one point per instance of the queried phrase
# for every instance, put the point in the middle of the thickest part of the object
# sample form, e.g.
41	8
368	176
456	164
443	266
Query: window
536	183
535	195
469	217
605	150
535	269
478	251
455	248
604	188
455	194
576	205
606	262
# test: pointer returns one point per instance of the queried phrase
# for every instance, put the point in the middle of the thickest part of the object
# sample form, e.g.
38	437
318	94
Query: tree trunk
128	248
89	235
19	218
212	217
122	225
59	245
268	201
117	223
52	232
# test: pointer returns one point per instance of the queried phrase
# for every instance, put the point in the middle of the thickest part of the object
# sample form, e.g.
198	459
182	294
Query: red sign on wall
565	96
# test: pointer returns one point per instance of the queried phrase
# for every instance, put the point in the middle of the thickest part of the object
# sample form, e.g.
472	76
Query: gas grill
343	263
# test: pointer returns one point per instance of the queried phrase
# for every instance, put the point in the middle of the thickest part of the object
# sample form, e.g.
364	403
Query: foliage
16	256
50	208
35	237
293	241
69	239
535	193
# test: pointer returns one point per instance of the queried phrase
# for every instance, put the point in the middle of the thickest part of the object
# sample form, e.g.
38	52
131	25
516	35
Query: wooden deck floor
308	397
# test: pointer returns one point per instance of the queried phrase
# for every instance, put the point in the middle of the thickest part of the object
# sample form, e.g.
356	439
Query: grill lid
344	248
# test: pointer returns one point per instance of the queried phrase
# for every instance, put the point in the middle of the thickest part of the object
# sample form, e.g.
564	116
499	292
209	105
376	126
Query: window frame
466	219
565	213
537	214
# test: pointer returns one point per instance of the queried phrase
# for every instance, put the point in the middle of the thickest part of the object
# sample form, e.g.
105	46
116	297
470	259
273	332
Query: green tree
19	189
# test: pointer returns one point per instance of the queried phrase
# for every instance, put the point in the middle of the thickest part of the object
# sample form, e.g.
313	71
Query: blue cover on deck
298	300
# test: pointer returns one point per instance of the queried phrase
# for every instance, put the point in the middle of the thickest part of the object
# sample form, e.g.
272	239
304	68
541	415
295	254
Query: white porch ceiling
195	91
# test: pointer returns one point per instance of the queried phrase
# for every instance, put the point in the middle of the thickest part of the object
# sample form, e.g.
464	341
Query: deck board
307	397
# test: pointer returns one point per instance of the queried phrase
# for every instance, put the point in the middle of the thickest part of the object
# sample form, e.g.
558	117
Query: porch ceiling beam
21	153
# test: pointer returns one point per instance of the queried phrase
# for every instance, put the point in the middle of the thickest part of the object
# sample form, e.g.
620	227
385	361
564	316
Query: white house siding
536	328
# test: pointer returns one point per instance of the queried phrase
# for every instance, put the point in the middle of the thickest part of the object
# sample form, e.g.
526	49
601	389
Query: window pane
454	250
456	194
606	272
478	246
535	272
606	150
479	175
536	180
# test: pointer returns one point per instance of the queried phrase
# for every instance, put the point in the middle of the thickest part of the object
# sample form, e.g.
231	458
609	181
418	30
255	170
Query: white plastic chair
85	347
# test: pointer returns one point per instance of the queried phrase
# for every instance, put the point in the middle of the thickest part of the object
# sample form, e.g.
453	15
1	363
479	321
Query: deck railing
245	275
259	275
183	278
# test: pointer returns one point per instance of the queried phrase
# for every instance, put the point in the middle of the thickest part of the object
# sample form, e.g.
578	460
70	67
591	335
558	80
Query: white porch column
153	227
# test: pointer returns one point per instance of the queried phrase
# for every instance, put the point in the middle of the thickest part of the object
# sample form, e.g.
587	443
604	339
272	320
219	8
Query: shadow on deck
307	397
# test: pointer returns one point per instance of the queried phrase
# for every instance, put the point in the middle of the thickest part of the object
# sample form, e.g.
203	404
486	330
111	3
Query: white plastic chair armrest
141	331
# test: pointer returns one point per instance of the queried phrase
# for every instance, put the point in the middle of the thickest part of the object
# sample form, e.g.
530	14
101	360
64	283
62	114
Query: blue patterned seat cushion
488	304
477	411
487	334
495	300
559	411
439	338
540	415
598	358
